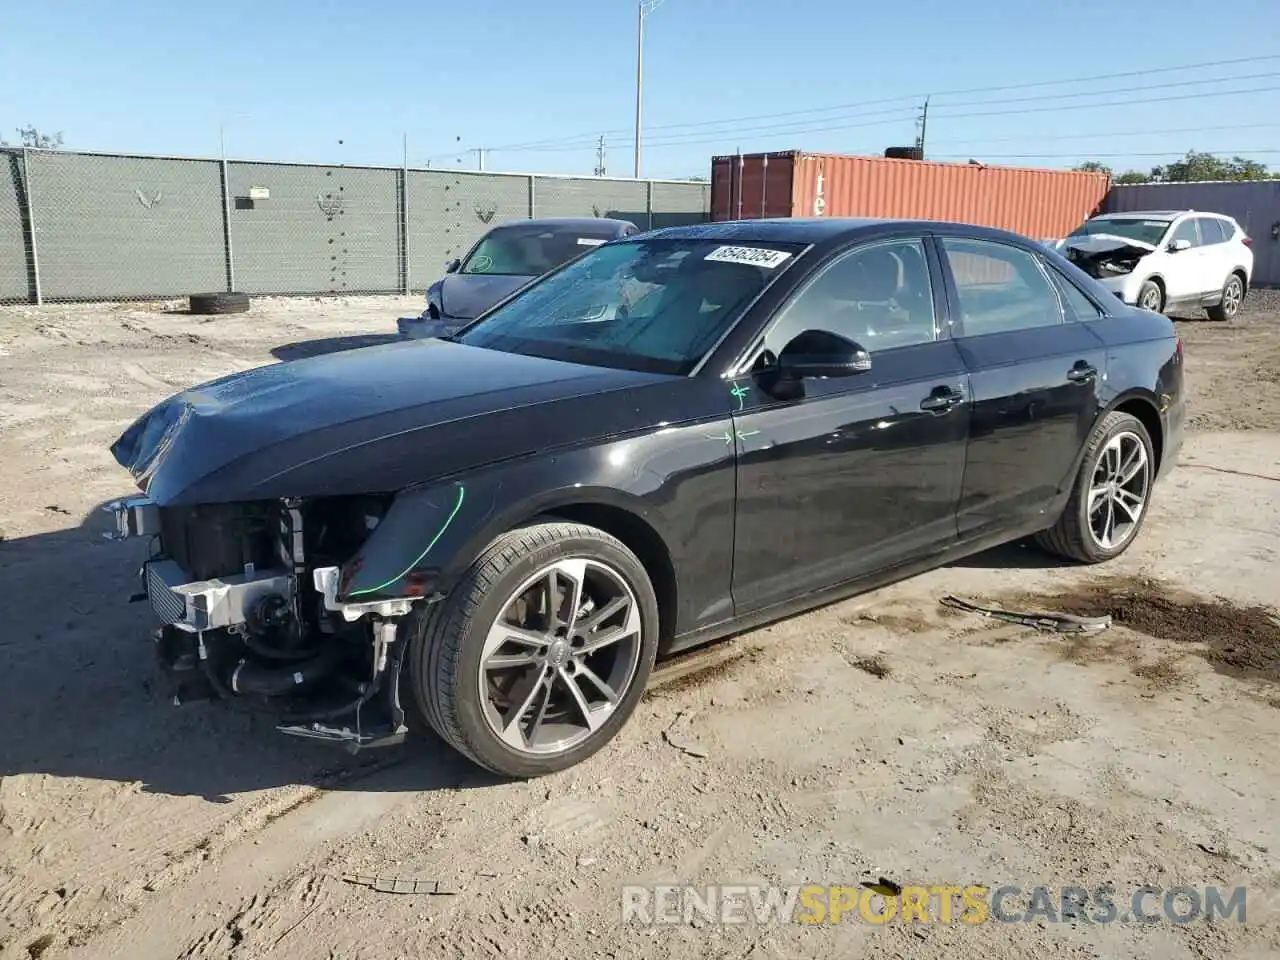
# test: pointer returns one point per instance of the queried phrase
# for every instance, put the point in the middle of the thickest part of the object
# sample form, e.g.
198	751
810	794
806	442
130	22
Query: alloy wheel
1231	297
560	657
1118	490
1151	299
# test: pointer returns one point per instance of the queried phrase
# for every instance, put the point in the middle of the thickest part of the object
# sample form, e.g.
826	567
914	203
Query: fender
678	480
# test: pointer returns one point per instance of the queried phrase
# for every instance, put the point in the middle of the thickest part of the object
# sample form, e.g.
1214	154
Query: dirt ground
886	739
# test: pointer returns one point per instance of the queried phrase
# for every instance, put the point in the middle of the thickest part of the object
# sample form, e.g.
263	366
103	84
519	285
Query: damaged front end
247	595
1104	256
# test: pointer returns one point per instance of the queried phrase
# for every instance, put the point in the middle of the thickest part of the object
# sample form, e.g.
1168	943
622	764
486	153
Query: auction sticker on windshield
751	256
590	242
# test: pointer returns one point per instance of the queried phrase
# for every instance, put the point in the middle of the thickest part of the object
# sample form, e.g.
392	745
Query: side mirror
453	265
1177	246
818	353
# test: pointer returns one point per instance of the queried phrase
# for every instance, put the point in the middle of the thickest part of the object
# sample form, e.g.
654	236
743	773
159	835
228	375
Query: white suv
1165	259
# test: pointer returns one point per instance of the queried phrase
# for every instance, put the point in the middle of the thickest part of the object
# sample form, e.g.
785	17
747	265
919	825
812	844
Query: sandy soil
882	737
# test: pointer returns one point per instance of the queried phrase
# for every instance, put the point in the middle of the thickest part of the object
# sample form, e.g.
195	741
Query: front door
1183	270
841	476
1034	375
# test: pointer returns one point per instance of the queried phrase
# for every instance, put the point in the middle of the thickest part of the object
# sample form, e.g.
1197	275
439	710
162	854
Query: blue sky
343	82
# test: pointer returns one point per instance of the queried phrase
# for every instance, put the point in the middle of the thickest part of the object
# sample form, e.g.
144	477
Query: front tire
1232	297
1112	492
540	653
1151	296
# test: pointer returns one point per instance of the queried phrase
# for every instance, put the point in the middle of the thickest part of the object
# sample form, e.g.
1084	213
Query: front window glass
656	305
530	250
1142	229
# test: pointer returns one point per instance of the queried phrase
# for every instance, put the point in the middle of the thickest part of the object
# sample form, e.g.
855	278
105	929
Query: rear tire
465	686
1119	446
218	303
1232	298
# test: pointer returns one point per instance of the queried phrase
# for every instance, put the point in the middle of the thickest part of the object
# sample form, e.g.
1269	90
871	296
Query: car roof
810	230
1159	214
777	229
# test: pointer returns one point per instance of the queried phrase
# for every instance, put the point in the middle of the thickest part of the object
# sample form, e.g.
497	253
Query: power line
791	114
1098	156
805	128
1113	134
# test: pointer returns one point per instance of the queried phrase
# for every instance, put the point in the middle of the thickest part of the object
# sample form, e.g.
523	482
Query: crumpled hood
362	421
1108	244
467	295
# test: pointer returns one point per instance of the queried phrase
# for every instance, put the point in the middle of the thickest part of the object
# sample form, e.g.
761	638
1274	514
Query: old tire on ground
1151	296
1111	495
212	303
523	686
1232	298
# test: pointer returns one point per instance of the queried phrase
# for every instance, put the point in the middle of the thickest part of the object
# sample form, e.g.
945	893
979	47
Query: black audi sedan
677	436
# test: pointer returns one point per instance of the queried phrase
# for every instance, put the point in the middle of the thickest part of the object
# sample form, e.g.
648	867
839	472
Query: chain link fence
80	226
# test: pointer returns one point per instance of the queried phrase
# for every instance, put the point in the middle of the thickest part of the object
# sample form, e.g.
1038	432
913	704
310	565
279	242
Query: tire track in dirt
296	838
124	885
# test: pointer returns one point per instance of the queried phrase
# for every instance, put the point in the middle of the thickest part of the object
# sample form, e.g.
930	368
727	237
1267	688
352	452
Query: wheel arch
640	537
446	527
1143	406
1243	274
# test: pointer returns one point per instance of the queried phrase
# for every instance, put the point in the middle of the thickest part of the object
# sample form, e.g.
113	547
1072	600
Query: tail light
1244	238
1178	348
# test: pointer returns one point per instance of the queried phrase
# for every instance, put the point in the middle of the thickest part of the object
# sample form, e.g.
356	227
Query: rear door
1217	257
1034	379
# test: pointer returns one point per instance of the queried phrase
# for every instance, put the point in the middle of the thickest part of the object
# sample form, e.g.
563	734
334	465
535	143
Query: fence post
649	204
31	225
404	227
224	176
533	206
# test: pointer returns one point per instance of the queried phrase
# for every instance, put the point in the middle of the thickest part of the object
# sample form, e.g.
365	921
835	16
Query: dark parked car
518	519
503	261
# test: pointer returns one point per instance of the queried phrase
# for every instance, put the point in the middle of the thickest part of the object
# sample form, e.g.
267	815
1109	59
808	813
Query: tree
1132	176
1193	168
1196	167
30	136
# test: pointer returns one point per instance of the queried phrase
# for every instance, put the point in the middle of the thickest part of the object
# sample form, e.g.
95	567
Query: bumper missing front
210	636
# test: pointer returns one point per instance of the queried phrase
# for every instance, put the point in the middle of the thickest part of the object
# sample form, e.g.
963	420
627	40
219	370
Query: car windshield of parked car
1142	229
655	305
532	249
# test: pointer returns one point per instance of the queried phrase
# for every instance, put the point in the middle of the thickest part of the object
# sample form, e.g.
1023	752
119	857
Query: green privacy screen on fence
80	226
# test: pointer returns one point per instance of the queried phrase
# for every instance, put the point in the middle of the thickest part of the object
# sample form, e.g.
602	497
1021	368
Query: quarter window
1000	288
1081	306
878	296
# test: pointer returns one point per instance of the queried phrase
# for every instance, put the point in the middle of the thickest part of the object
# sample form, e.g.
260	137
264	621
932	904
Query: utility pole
479	152
922	122
600	157
643	9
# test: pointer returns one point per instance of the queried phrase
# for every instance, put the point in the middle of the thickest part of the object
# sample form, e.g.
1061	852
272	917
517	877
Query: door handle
941	400
1082	373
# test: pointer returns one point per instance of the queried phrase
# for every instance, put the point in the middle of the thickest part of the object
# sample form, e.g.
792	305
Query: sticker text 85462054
751	256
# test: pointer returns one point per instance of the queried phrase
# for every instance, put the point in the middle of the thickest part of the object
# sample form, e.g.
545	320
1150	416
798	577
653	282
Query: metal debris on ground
435	888
1048	622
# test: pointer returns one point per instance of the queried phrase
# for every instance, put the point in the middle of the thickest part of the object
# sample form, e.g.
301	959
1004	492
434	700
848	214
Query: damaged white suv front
1166	259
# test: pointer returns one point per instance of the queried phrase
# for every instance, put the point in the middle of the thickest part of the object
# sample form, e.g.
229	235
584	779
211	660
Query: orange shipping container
1035	203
